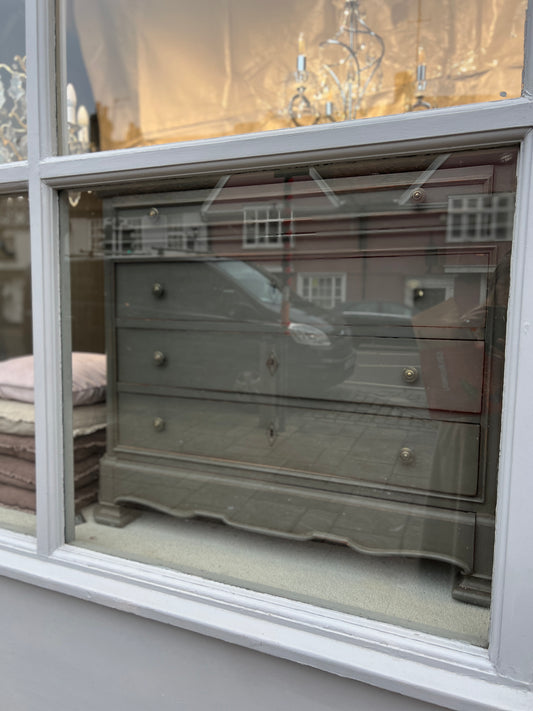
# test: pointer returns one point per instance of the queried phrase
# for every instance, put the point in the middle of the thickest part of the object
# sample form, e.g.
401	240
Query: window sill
453	674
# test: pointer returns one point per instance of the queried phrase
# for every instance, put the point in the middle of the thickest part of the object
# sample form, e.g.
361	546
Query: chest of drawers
217	410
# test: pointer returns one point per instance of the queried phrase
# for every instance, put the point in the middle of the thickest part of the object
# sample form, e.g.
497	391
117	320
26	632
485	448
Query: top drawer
148	290
218	288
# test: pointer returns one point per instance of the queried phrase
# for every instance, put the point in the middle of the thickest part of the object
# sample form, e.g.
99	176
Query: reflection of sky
12	42
12	39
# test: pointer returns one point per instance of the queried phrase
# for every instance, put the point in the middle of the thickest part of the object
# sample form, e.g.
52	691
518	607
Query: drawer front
195	290
436	374
164	290
147	290
441	375
234	358
203	359
421	455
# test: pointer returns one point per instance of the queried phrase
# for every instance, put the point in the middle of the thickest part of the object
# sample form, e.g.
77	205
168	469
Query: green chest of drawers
218	410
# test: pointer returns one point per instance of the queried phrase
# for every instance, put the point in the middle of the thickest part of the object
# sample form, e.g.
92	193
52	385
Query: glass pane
17	417
146	73
311	354
13	132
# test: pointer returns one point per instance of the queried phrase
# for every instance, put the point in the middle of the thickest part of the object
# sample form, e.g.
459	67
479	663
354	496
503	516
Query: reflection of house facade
15	285
336	238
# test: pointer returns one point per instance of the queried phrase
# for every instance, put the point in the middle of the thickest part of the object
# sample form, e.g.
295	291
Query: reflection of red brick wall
374	223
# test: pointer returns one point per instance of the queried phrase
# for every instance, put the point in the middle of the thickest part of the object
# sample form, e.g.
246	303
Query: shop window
273	363
344	392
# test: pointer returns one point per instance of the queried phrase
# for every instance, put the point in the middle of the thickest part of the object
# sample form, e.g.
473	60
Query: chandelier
13	129
349	62
13	115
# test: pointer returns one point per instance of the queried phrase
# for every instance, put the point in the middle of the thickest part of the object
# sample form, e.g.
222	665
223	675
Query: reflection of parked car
377	318
238	330
318	348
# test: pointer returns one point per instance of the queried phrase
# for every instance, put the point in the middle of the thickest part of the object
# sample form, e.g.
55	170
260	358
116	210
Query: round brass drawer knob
418	195
410	375
158	290
159	424
159	358
407	456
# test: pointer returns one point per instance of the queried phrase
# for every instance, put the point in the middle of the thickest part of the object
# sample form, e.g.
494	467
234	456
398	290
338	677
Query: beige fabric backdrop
166	70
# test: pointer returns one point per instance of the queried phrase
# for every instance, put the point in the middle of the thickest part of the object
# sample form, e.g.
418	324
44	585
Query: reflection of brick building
15	286
335	237
338	237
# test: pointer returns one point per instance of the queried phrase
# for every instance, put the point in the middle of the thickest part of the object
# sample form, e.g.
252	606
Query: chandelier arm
13	114
353	54
13	148
300	97
368	31
352	110
353	30
369	79
373	66
420	103
338	83
347	98
9	69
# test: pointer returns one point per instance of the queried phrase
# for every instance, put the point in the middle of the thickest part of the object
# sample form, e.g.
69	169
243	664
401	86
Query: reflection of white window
177	230
421	289
156	229
187	232
268	226
96	236
326	290
480	218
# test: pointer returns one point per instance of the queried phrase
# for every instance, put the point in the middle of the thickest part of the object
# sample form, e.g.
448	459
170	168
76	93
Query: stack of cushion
17	429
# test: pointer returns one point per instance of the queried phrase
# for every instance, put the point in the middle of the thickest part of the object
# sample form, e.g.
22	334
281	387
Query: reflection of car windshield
264	287
256	283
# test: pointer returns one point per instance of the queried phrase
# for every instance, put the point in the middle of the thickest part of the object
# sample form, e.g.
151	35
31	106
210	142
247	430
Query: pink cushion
88	378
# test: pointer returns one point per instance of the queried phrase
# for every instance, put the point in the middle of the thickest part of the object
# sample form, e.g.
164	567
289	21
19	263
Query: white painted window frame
259	220
486	215
302	276
453	674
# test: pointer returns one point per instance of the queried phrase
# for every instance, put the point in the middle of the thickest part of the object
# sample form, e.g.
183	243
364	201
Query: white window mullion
512	622
527	77
44	225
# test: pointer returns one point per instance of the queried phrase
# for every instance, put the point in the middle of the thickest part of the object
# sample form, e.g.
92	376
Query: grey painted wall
61	654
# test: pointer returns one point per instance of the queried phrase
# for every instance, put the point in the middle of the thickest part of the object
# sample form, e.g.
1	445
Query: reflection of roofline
313	173
213	195
323	185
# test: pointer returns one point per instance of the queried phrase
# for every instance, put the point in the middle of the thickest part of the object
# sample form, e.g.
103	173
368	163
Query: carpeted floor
409	592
